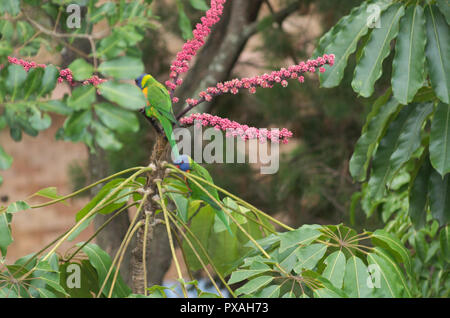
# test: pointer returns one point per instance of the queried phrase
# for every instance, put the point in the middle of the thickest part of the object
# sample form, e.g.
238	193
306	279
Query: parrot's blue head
139	80
183	163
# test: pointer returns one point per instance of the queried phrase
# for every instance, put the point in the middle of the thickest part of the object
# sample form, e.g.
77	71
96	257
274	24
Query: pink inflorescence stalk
65	74
190	48
26	65
234	129
266	80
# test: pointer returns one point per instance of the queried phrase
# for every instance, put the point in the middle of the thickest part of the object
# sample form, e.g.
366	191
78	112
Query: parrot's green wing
168	130
199	194
159	97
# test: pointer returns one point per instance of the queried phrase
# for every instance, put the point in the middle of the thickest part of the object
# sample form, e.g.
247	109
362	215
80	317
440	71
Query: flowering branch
64	74
191	47
234	129
266	81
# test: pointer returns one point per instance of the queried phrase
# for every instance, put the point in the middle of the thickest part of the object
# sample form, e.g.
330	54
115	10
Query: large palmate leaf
369	68
345	41
438	52
440	139
408	71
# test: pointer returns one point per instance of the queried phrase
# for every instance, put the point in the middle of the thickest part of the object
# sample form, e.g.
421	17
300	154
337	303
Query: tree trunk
158	250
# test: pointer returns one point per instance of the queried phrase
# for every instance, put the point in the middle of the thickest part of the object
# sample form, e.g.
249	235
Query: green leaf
101	261
385	274
55	106
356	279
272	291
439	193
370	66
240	275
444	239
335	269
17	207
199	4
391	243
88	279
328	290
5	232
105	138
183	22
77	123
83	226
82	97
329	36
309	256
408	71
10	6
99	13
418	195
401	140
6	29
299	237
38	121
438	52
126	95
111	46
181	203
345	41
45	275
392	268
409	140
81	69
33	82
444	7
117	119
440	139
49	79
5	159
105	191
376	124
24	31
15	79
254	284
124	67
49	193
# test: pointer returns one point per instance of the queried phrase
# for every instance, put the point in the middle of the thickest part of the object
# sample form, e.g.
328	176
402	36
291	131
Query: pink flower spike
234	129
191	47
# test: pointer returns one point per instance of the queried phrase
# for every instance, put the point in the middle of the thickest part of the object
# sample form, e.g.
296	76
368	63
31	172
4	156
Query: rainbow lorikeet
159	106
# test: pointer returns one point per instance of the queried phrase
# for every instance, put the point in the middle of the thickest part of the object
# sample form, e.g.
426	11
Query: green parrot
187	164
159	106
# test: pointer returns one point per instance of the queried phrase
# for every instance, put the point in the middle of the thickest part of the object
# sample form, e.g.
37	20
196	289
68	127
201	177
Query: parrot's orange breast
145	91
